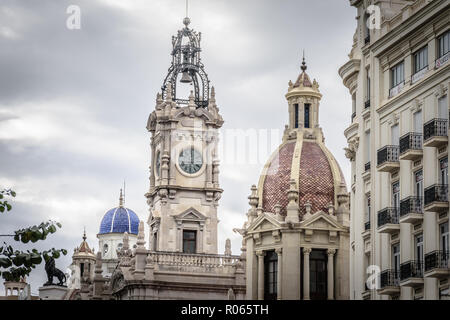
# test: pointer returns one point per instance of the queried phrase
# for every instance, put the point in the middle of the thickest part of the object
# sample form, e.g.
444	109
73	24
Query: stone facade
398	75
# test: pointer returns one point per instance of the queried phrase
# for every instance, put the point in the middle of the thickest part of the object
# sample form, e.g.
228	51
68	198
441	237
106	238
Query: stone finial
98	264
231	295
330	208
191	100
308	207
292	192
228	247
141	236
213	94
158	99
169	92
277	210
126	241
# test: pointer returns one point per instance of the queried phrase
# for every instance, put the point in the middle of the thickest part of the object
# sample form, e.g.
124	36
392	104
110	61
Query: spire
303	67
187	21
84	234
121	199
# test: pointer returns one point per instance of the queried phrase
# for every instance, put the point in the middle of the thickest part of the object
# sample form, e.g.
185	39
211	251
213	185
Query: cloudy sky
74	103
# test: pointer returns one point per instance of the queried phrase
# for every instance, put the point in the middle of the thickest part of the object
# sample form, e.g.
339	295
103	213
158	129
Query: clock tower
184	170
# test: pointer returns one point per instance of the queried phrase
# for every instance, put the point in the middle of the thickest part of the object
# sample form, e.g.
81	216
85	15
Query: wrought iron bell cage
186	61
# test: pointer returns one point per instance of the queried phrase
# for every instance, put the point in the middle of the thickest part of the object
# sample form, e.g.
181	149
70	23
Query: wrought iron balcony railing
388	215
411	205
389	278
367	167
436	193
388	154
437	260
410	141
411	269
435	128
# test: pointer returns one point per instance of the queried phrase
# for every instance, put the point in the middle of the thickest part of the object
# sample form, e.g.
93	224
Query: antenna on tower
187	8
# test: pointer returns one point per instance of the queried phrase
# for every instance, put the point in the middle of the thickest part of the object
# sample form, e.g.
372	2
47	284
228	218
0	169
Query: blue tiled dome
119	220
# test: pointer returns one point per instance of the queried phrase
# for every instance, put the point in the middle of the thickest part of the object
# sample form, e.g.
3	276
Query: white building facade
398	75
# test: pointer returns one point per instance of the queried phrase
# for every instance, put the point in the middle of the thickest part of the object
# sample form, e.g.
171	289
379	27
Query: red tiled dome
316	182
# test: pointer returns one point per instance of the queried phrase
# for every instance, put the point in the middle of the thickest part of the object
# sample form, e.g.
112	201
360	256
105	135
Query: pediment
190	214
320	221
265	221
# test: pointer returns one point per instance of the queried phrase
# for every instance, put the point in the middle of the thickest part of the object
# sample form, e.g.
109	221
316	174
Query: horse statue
52	271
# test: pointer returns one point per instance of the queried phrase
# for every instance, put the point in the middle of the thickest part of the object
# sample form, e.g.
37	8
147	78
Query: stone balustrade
194	260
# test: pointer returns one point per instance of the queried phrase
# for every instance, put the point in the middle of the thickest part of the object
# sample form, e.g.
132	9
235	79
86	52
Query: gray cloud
74	104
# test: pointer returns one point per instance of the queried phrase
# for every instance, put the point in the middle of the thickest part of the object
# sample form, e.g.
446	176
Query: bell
186	78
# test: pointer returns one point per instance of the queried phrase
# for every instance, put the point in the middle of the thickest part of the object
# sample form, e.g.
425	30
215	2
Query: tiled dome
119	220
316	182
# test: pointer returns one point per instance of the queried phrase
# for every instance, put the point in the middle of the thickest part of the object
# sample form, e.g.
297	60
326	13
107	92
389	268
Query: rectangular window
395	139
367	146
443	171
418	177
367	222
270	275
421	59
307	111
397	74
442	107
419	248
444	44
396	195
367	86
444	237
81	269
296	115
418	123
395	263
189	241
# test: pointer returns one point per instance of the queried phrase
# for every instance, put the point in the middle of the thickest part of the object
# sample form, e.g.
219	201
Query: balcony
436	198
389	282
396	89
419	75
411	273
387	159
411	210
437	264
442	60
435	133
367	104
388	221
411	146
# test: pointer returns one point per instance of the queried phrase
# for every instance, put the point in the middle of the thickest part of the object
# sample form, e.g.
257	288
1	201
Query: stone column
306	252
330	269
260	255
279	252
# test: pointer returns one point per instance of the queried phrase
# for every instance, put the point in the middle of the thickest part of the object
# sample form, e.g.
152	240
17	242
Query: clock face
190	160
158	163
